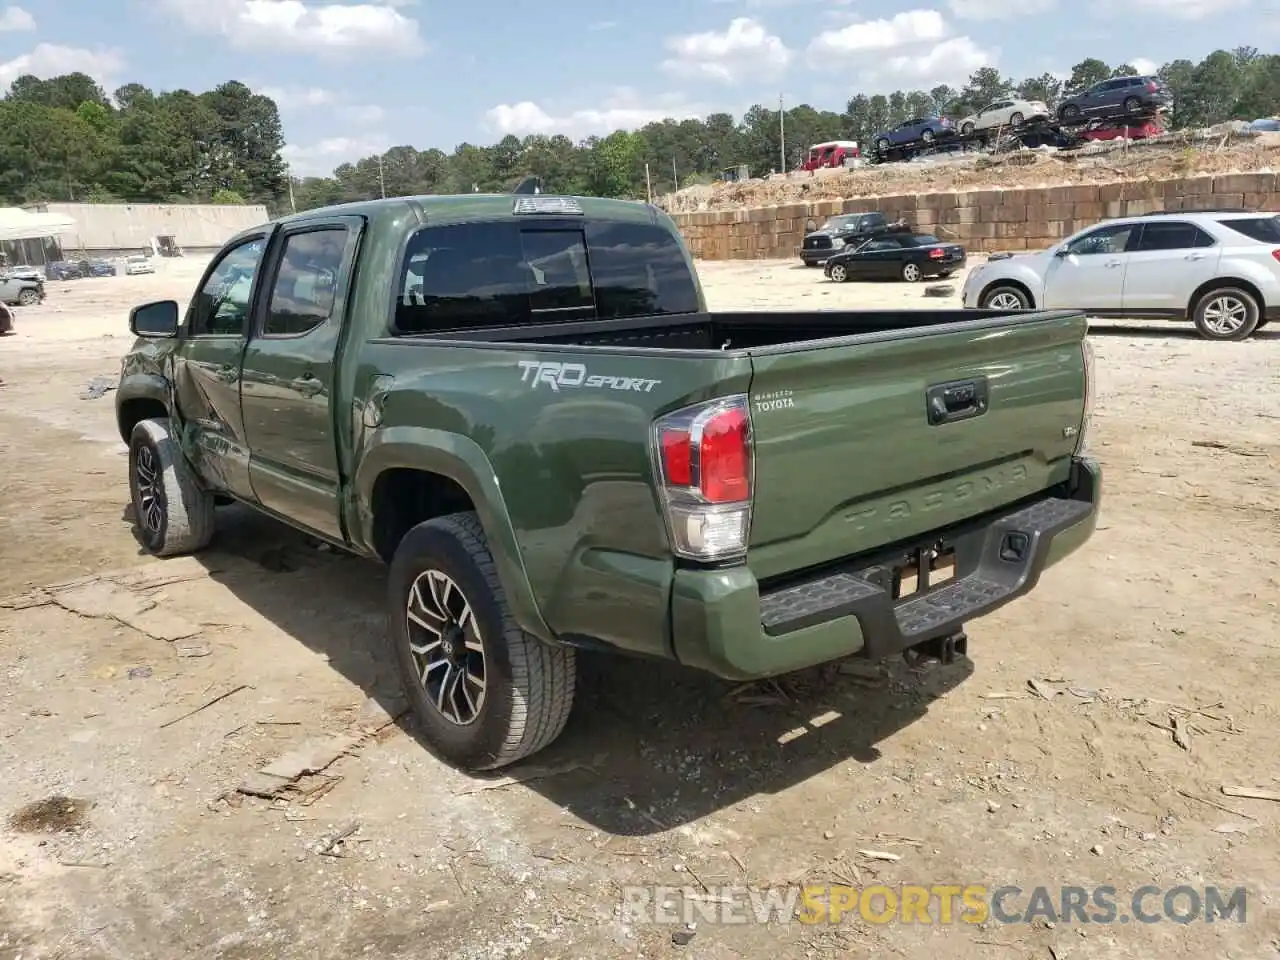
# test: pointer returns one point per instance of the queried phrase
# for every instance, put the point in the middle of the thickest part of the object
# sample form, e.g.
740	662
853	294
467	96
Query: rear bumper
721	622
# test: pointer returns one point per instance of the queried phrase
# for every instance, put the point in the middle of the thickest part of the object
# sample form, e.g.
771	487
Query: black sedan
905	256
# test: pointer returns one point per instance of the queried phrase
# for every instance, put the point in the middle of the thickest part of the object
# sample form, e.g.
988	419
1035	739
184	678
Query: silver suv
1218	268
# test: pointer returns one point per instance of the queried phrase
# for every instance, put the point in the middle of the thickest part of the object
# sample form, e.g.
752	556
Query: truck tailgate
849	456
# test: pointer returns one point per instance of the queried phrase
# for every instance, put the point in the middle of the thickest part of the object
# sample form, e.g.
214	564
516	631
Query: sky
355	78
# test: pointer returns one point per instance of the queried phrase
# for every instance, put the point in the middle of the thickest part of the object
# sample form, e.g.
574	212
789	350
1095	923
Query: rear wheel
27	297
1069	114
839	273
1227	313
1005	298
926	136
1132	105
911	272
485	693
967	129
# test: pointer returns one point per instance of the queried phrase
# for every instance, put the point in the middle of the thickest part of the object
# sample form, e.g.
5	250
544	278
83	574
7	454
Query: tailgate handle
957	400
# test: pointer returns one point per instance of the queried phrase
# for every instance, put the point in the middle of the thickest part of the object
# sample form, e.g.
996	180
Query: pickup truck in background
522	405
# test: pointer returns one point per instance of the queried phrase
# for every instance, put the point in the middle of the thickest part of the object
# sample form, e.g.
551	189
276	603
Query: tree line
65	139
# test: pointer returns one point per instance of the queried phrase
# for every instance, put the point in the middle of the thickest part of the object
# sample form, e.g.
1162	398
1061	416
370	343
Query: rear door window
465	276
1172	235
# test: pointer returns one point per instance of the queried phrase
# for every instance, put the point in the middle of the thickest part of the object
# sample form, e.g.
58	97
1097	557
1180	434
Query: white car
136	265
1009	112
1219	269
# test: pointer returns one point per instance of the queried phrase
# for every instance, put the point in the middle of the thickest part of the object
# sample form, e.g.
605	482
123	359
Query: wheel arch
407	475
1007	282
139	399
1223	283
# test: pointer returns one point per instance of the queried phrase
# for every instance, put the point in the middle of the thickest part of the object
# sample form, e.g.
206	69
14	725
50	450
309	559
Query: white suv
1219	269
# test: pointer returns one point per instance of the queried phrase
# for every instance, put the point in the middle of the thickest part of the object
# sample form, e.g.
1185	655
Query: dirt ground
138	696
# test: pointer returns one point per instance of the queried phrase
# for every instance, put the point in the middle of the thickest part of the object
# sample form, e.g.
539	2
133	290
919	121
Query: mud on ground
138	696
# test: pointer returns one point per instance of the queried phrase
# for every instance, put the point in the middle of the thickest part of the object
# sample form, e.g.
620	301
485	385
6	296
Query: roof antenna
528	185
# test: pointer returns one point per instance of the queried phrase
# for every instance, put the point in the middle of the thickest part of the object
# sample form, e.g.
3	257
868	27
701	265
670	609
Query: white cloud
320	158
16	20
1172	9
292	24
949	62
299	98
623	111
745	50
999	9
51	60
778	4
904	29
1144	66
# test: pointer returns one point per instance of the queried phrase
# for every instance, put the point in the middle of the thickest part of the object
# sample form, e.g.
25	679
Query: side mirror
1060	252
157	321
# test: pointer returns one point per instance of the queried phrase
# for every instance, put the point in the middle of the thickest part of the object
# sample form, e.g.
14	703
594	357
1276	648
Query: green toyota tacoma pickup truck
521	404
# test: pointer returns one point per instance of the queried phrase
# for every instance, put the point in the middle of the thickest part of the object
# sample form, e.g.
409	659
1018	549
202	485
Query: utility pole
293	207
675	174
648	183
782	136
382	182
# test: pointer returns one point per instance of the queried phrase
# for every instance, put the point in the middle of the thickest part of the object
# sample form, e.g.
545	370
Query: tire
926	136
172	509
1262	323
28	297
839	273
1002	298
1226	313
1132	105
527	686
911	272
1069	114
1015	119
882	146
967	130
945	274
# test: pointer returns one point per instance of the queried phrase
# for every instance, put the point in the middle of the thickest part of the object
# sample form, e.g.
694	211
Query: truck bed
700	332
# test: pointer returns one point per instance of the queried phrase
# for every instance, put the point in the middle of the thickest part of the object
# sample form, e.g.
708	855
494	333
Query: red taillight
704	462
937	253
1152	86
677	457
725	474
1276	253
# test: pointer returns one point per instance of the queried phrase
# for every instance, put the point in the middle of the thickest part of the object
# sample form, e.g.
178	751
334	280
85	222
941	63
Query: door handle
308	386
1195	256
228	373
1113	263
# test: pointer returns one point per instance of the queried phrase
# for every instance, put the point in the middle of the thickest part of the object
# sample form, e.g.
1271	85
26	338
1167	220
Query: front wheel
839	273
1227	313
1005	298
967	130
926	136
485	693
911	272
882	146
1015	119
28	297
172	509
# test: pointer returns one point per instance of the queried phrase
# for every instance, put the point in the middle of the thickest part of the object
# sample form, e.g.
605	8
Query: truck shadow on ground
655	746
